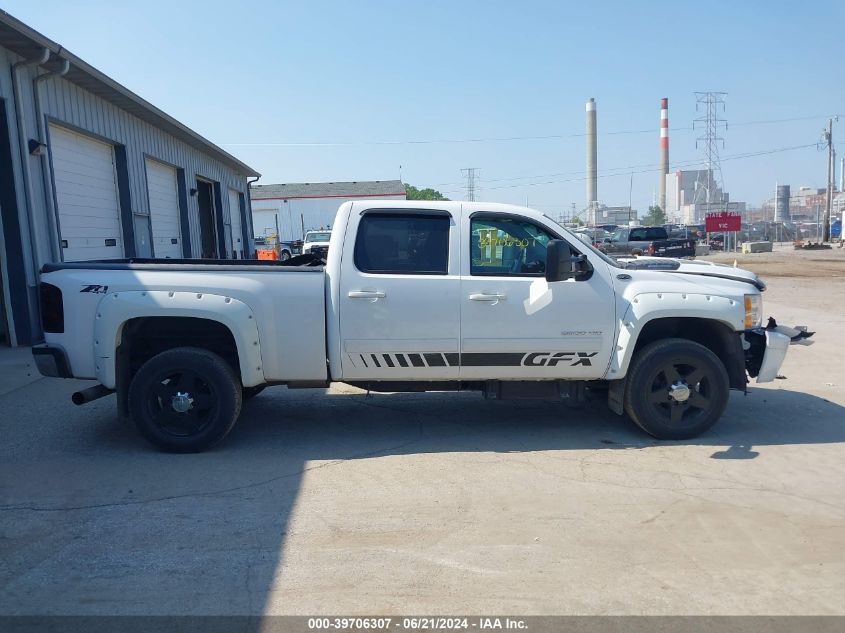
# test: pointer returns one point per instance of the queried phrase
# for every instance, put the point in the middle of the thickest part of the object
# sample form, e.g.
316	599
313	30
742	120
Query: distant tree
655	216
412	193
578	221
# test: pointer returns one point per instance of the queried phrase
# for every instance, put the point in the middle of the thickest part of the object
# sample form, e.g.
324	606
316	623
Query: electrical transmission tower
469	174
710	104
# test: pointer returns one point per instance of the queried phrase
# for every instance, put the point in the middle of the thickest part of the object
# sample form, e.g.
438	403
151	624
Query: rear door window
393	243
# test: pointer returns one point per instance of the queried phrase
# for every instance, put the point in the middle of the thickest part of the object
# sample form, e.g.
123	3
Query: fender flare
116	308
647	307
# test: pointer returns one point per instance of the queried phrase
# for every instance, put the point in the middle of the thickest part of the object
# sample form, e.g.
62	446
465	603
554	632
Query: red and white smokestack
664	150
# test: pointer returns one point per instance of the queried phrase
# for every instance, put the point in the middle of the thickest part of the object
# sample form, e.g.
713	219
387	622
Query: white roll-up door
86	193
238	247
164	209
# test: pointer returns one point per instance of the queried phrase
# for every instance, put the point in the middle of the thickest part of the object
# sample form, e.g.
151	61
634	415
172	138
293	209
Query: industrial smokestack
782	204
664	150
592	160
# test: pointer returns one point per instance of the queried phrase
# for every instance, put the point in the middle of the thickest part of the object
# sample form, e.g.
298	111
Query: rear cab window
648	234
403	244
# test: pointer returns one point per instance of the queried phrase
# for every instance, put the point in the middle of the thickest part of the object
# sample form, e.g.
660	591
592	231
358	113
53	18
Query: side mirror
560	263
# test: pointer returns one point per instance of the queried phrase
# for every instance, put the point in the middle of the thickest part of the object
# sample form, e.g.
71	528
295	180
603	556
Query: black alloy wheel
185	399
676	389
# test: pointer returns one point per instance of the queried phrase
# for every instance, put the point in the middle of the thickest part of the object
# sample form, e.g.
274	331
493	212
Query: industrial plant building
807	204
687	193
89	170
288	210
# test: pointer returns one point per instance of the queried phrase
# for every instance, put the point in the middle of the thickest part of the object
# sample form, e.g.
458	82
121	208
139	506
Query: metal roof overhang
29	43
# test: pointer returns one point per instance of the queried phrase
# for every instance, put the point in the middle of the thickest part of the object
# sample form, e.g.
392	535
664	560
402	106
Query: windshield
318	236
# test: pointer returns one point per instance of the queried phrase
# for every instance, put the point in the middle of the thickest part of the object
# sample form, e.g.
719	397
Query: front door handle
484	296
366	294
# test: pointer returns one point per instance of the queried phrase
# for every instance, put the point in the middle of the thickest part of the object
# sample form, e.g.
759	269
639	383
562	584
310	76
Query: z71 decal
96	289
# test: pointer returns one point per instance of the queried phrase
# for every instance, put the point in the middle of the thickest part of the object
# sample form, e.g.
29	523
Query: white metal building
89	170
294	208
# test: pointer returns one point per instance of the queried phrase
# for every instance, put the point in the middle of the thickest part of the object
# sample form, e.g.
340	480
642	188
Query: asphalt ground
328	502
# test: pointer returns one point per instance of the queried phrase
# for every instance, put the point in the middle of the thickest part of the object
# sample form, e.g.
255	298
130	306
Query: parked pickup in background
316	243
647	240
414	296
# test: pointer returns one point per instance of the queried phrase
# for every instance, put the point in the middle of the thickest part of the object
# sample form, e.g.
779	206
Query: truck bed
283	301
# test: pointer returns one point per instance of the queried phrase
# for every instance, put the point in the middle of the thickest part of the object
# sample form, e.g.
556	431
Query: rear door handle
484	296
366	294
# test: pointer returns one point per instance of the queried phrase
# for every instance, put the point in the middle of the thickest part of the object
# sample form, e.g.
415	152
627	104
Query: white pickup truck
414	296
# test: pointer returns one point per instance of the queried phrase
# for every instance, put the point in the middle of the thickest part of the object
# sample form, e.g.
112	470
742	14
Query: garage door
86	192
238	247
164	209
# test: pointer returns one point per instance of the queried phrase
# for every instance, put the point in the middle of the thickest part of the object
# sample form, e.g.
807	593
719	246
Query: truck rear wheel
185	400
676	389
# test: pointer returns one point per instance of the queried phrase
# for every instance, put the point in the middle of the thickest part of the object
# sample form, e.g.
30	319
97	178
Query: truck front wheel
185	400
676	389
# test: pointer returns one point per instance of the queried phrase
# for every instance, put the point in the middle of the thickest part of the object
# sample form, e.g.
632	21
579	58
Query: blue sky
266	79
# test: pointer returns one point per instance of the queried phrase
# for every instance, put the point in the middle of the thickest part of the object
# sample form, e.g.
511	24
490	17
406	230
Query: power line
498	139
627	171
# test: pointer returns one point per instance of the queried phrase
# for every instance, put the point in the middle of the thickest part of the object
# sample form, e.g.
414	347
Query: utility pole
828	140
469	174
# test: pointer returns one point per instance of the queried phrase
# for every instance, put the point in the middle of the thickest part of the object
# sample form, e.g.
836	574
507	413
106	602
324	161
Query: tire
284	255
649	400
214	394
248	393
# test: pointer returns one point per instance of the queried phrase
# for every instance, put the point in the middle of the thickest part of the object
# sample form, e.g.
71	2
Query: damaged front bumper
765	348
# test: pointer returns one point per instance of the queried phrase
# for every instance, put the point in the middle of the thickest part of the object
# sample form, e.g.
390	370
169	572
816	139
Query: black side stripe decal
435	360
363	360
493	359
498	359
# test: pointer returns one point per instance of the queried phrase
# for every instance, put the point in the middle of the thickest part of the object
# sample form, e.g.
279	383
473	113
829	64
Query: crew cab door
515	325
399	294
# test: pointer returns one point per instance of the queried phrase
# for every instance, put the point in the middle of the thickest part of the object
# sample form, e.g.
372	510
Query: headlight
753	310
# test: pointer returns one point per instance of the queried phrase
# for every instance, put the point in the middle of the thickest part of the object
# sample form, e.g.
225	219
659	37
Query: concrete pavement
427	503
